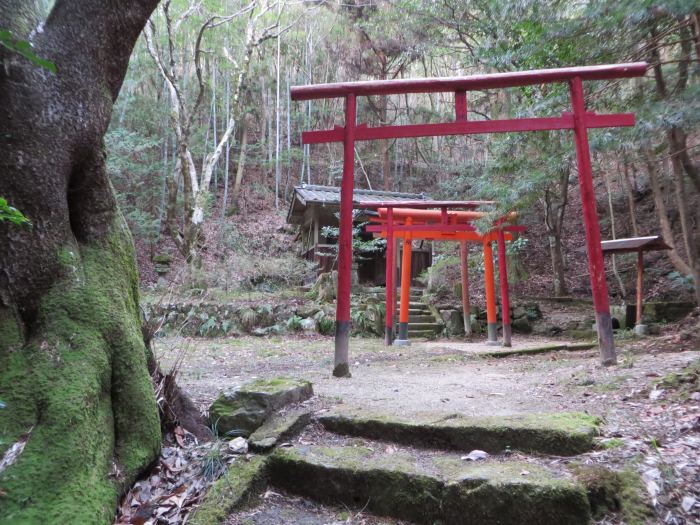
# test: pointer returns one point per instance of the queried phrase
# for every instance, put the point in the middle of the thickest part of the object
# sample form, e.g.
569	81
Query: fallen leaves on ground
174	487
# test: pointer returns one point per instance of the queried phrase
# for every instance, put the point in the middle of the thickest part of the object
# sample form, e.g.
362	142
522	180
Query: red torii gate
579	120
416	221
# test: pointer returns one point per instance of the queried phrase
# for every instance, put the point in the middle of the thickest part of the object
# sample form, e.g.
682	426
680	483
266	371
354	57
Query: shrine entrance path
436	377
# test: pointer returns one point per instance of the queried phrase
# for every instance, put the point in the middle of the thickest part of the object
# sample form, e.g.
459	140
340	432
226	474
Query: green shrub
326	326
249	318
294	323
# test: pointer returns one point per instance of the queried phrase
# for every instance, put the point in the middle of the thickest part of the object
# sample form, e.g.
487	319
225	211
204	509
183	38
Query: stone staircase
421	322
416	470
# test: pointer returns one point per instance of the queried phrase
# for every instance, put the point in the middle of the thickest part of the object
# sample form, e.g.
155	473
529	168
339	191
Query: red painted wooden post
461	105
503	281
342	315
389	280
397	250
461	114
596	266
466	307
640	287
402	339
490	287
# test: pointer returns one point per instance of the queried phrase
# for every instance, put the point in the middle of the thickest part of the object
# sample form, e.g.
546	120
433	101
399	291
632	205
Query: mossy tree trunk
73	365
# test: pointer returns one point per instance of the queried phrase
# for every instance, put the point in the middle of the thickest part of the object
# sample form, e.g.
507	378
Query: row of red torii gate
446	221
454	219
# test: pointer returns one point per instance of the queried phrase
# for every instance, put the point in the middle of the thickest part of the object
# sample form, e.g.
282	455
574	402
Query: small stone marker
240	412
238	446
476	455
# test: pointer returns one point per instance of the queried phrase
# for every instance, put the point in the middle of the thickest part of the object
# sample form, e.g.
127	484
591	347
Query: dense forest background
204	146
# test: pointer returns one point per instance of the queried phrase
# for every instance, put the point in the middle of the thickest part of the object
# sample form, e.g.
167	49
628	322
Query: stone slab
562	434
427	490
277	429
241	411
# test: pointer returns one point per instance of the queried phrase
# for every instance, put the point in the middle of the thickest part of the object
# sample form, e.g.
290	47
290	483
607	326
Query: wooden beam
470	83
470	127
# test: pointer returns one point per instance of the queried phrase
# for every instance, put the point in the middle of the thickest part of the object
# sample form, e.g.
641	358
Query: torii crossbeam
578	120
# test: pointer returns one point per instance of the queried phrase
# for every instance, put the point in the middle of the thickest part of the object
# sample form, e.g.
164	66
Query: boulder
521	325
533	311
308	325
323	290
307	310
454	324
275	329
240	412
518	312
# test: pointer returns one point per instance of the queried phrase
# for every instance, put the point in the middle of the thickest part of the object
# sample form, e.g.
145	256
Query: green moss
162	258
450	468
614	384
243	479
614	492
611	443
81	383
68	258
570	347
270	386
685	381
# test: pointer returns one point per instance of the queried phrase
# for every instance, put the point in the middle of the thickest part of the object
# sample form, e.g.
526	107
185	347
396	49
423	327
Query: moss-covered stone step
277	429
241	411
421	334
430	489
421	318
563	433
243	480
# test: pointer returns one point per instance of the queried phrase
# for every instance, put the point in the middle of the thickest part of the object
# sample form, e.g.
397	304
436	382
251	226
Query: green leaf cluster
11	214
25	49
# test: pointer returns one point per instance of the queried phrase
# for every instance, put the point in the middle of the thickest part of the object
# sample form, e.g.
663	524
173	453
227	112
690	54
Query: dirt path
442	377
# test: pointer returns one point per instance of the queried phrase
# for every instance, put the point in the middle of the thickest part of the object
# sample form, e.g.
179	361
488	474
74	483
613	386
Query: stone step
277	428
413	293
421	334
430	488
562	433
420	318
432	325
418	305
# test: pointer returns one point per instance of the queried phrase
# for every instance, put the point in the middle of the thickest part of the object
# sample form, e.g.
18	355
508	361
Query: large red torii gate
579	120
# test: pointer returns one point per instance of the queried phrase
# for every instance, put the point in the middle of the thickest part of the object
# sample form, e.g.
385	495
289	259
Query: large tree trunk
73	364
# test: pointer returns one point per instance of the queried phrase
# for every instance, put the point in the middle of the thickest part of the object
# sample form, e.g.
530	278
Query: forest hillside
205	147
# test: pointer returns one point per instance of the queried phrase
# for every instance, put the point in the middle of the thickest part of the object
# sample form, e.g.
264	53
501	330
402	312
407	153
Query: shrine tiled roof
306	194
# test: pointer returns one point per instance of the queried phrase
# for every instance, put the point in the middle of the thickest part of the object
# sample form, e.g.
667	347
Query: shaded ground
277	508
655	430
